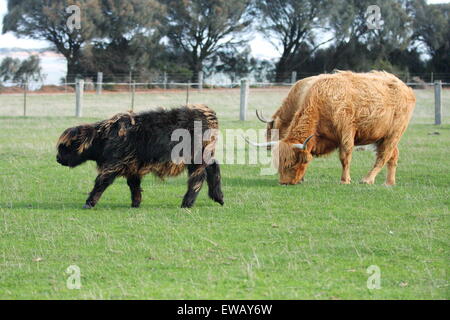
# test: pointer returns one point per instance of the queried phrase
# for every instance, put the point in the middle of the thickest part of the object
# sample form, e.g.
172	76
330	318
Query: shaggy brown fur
342	110
282	118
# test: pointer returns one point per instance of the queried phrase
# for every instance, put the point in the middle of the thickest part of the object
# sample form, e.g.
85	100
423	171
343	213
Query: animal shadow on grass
264	181
23	205
150	204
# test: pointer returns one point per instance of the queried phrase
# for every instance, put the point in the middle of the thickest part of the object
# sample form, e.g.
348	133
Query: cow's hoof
187	202
346	181
220	202
87	206
389	184
135	205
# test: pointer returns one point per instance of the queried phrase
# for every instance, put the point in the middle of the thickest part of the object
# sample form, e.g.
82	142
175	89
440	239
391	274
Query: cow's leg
384	153
134	182
214	182
102	182
345	155
392	167
197	175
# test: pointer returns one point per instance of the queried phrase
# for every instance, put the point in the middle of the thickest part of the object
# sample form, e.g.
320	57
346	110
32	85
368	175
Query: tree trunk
281	70
71	71
196	67
74	68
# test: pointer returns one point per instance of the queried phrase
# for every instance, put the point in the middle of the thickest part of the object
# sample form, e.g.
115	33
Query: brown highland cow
340	111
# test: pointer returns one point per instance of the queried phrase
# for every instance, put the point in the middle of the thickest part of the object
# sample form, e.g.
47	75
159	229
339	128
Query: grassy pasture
311	241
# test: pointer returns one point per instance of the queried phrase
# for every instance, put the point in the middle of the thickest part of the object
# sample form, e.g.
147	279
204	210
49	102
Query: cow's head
74	145
291	159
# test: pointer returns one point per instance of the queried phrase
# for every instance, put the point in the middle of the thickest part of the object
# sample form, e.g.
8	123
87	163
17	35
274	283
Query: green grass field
311	241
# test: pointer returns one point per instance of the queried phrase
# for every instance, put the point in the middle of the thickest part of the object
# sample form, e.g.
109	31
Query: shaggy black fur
132	145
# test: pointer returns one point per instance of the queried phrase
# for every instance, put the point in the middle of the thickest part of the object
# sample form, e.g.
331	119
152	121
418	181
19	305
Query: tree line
183	37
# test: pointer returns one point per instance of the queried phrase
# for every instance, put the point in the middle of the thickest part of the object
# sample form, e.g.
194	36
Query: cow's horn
260	145
304	145
261	118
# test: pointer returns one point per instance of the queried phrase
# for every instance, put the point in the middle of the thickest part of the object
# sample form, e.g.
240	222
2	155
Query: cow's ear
86	137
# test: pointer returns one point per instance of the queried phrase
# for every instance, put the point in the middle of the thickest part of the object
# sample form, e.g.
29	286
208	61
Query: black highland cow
133	145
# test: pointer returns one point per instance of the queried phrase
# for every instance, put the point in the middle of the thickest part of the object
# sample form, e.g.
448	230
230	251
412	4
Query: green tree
14	70
130	38
199	28
47	20
235	64
8	69
291	24
29	70
355	41
432	29
240	64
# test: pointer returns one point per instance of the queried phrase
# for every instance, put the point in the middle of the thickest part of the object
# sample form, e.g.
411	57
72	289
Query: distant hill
22	52
15	50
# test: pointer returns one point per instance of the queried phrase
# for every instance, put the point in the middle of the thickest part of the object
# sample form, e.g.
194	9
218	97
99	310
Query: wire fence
173	80
231	100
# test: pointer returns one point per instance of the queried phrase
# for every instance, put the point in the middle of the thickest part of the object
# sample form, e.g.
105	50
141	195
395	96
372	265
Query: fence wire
60	101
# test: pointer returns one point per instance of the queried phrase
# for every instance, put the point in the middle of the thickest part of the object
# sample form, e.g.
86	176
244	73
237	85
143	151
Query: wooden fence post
165	80
130	80
437	102
133	93
25	88
294	77
79	98
99	82
187	92
244	99
200	81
